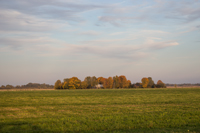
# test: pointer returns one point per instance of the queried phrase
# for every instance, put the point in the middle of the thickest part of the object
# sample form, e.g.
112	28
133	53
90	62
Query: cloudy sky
45	40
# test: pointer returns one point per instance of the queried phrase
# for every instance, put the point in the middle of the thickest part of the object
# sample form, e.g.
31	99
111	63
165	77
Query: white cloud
159	13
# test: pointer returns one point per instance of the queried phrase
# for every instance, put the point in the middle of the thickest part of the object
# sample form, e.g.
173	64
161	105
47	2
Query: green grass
112	110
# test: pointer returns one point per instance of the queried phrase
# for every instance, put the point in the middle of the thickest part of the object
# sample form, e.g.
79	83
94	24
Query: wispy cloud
51	9
100	48
153	13
12	20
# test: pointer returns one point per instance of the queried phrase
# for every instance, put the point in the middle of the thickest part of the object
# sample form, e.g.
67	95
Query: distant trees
71	83
149	83
3	87
123	82
6	87
28	86
110	82
160	84
93	82
84	85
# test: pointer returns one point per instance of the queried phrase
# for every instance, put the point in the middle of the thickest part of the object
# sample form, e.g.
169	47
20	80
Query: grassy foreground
114	110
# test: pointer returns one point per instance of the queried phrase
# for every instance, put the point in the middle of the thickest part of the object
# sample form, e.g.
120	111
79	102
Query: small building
99	86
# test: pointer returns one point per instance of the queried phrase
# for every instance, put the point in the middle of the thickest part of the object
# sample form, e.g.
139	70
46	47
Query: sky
46	40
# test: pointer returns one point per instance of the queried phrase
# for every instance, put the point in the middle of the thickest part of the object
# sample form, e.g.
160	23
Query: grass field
112	110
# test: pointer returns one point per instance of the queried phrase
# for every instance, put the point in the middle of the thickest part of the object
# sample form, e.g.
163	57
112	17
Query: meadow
102	110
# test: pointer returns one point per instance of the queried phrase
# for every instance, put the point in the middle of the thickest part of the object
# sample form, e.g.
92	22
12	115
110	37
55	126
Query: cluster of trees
110	82
29	85
93	82
149	83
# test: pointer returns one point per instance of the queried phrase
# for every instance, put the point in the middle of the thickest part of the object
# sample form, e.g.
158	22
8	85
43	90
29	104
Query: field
110	110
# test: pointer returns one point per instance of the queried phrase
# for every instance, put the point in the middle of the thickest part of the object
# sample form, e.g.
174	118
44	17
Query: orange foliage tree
101	80
108	83
160	84
122	81
145	82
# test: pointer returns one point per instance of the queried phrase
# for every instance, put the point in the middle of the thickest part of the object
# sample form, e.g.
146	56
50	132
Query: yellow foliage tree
74	83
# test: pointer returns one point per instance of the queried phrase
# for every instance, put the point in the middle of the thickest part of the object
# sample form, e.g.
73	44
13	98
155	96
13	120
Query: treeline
29	85
182	85
110	82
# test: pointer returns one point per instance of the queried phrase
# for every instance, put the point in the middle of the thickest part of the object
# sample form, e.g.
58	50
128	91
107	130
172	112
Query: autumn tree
100	80
145	82
108	83
151	83
66	80
128	84
160	84
91	81
122	81
94	81
65	85
84	85
105	83
74	83
116	82
58	85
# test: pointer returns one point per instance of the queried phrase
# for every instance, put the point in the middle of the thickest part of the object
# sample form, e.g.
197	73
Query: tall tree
105	83
110	82
84	85
145	82
128	84
122	81
116	82
88	81
151	83
94	81
58	85
91	81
